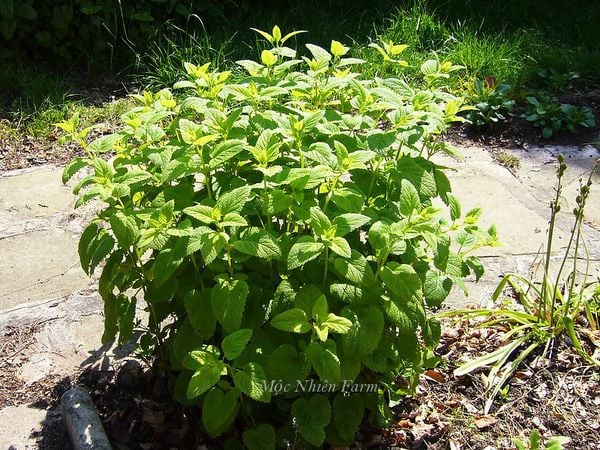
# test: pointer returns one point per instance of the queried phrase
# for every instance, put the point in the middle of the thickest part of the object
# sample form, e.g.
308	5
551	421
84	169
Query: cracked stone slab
39	265
33	193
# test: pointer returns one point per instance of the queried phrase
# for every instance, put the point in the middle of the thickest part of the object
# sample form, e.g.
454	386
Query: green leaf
207	356
233	220
454	204
355	269
319	53
223	152
125	229
202	213
72	168
409	198
337	324
286	364
312	416
200	313
260	438
86	245
340	246
303	251
346	223
293	320
228	299
219	411
338	49
258	242
348	411
212	244
402	280
436	288
416	170
234	344
319	221
320	309
204	378
252	381
347	199
324	359
126	318
364	336
234	200
166	263
476	266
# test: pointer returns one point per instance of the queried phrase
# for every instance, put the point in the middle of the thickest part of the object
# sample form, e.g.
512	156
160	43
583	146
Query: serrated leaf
409	198
223	152
234	200
436	288
337	324
454	205
258	242
204	378
319	222
200	313
346	223
260	438
303	252
72	168
347	199
228	299
233	220
312	416
293	320
340	246
324	359
252	381
125	229
219	411
287	364
202	213
348	411
402	280
234	344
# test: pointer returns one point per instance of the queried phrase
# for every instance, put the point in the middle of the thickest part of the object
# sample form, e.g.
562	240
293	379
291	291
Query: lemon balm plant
282	230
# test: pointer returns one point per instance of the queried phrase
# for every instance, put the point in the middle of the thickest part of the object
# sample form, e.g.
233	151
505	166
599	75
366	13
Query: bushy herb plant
285	229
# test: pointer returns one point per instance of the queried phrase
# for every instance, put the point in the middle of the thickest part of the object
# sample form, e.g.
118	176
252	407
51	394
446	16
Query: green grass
34	99
509	40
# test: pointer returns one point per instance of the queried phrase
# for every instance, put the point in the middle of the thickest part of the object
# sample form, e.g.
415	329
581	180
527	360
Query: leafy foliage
552	116
491	102
284	229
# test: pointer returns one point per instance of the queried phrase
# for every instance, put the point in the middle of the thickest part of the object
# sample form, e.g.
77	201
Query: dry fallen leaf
483	422
435	375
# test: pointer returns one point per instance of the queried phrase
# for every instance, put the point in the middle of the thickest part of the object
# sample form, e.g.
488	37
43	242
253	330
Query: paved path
40	278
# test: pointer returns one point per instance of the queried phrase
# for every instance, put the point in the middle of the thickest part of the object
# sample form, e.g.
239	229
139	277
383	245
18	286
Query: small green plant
546	310
553	117
556	81
534	442
282	233
491	101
